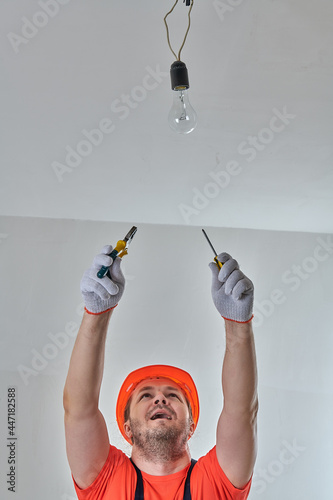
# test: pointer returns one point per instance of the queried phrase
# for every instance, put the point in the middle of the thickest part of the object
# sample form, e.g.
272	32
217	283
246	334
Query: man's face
158	413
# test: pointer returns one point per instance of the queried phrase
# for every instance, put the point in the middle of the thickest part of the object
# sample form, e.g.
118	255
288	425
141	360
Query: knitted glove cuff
102	312
243	322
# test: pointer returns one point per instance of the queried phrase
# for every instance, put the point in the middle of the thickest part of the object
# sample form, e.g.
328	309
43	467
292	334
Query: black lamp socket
179	76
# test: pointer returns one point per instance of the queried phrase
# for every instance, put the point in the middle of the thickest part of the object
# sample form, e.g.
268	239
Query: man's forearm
82	387
239	374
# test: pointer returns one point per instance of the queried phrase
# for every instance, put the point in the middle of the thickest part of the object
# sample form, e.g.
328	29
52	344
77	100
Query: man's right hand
232	291
102	294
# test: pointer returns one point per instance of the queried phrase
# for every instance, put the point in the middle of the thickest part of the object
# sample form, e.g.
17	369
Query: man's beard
162	444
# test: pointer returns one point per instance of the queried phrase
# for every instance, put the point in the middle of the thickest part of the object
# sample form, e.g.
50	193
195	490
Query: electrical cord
188	28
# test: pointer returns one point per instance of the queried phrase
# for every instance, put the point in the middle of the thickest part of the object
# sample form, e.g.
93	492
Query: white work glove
102	294
232	291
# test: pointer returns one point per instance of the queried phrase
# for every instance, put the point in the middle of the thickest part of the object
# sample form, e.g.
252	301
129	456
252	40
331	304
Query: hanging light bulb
182	117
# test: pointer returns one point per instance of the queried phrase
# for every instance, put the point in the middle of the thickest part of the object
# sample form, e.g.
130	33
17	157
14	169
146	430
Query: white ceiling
256	57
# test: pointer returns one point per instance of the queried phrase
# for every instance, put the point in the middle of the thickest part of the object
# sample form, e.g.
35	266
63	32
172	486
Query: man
158	408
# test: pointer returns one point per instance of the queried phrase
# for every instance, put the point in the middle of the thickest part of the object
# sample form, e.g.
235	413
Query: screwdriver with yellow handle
119	251
218	263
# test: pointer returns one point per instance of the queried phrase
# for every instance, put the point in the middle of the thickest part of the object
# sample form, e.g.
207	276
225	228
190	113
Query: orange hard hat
177	375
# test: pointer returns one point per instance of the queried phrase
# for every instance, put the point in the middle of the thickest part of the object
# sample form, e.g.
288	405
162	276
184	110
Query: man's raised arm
236	443
87	440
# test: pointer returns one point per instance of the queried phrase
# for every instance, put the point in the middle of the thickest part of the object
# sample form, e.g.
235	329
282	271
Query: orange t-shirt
117	481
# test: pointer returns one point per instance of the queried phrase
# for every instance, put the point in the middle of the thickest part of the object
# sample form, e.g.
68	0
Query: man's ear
127	429
192	427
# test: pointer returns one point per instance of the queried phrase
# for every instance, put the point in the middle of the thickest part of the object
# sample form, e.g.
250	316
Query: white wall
166	316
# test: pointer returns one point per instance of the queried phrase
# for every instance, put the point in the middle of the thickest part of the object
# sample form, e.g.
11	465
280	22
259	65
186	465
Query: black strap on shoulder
139	482
187	489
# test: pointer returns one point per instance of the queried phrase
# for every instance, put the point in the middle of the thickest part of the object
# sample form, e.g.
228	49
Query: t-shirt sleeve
98	487
215	479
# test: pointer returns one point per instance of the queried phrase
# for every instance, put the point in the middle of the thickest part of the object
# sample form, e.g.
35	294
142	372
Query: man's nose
160	399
